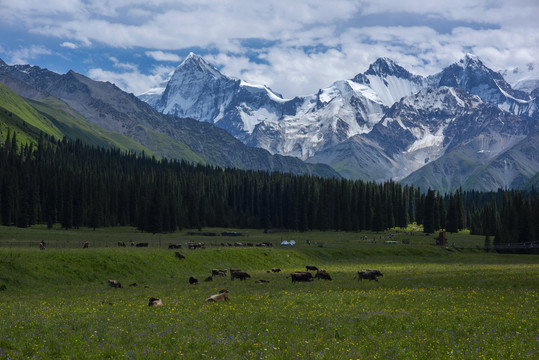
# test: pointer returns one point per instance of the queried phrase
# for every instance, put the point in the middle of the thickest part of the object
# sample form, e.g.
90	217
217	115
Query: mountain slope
15	105
436	138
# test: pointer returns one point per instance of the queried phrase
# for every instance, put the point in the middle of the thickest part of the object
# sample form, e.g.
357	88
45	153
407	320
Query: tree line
73	184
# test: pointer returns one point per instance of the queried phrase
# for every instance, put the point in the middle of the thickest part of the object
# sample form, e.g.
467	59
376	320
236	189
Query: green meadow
454	302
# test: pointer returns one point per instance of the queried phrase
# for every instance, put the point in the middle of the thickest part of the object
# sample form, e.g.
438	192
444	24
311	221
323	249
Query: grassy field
431	303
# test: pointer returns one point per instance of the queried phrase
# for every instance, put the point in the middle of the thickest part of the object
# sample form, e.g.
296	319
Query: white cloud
163	56
23	55
69	45
300	48
132	81
125	66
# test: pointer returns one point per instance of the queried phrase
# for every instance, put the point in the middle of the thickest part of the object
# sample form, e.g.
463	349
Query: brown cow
218	272
301	276
322	274
115	284
222	296
155	302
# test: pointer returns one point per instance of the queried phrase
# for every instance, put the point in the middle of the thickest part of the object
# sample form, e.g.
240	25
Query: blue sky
294	47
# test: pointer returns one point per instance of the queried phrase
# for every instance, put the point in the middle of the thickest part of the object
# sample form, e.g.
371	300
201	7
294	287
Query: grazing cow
178	255
275	270
218	272
194	245
85	245
301	276
193	281
311	268
222	296
209	278
369	274
155	302
174	246
115	284
261	281
242	275
145	244
322	274
133	284
121	243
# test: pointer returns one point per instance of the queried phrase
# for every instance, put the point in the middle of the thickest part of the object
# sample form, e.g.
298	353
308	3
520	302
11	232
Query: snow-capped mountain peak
390	81
470	60
384	67
196	64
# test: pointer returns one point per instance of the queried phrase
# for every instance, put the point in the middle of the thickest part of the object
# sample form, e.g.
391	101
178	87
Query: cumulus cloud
24	55
163	56
132	81
293	49
69	45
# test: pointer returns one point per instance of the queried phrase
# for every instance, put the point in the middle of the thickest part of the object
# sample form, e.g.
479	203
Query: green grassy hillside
65	262
17	115
29	118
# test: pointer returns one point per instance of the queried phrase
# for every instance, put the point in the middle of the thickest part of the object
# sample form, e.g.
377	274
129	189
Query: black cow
121	243
275	270
174	246
311	268
209	278
145	244
85	245
322	274
178	255
301	276
369	274
242	275
193	281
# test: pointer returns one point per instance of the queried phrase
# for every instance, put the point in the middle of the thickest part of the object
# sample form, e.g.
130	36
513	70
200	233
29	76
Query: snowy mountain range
107	109
385	123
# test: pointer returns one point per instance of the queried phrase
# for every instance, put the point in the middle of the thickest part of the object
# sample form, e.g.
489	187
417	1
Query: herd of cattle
190	245
235	273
